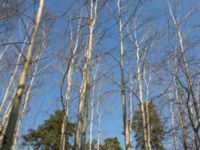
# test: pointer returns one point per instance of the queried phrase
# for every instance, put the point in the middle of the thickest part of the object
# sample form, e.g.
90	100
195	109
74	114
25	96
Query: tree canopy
156	128
47	135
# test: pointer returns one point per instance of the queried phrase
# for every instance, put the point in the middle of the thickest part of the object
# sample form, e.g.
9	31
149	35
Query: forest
99	75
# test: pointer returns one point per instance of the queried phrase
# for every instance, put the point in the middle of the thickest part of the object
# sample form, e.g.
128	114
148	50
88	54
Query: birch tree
28	93
123	91
99	125
68	89
92	107
10	129
191	98
84	89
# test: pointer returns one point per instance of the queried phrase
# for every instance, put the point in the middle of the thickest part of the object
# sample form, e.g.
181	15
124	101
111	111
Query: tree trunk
92	108
84	90
99	126
16	136
173	127
131	111
123	90
10	130
63	138
147	80
139	80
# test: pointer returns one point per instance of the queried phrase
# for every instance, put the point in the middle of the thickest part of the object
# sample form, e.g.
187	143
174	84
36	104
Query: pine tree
111	144
156	129
47	135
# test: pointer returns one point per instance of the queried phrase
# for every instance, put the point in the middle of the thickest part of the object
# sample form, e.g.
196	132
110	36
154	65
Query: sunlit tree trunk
68	90
140	86
10	130
99	125
123	91
147	80
92	108
131	111
84	90
173	126
26	100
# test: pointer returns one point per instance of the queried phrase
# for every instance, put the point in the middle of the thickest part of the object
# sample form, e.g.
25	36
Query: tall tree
84	89
6	143
123	86
69	74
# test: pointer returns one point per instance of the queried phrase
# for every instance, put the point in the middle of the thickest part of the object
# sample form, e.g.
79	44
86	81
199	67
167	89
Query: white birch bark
92	108
123	91
147	81
81	125
16	136
173	126
99	125
140	86
131	111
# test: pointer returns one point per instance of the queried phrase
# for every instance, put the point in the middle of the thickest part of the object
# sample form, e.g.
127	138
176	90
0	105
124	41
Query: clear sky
46	97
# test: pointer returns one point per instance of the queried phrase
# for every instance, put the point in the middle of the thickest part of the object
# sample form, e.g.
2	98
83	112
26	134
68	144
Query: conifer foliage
47	135
156	128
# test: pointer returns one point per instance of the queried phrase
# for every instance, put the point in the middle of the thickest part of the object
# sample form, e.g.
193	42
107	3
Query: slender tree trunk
85	120
148	126
26	100
173	126
91	120
92	108
84	90
147	80
16	136
123	91
99	126
63	138
131	111
10	130
139	80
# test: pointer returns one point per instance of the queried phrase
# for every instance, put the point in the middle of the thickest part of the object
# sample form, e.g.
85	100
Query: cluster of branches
146	61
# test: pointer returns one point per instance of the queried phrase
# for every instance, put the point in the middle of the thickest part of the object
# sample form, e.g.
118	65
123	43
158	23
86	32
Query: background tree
47	135
111	144
156	128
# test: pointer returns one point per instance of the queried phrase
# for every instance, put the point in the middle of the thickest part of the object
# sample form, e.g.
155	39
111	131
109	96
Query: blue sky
46	98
